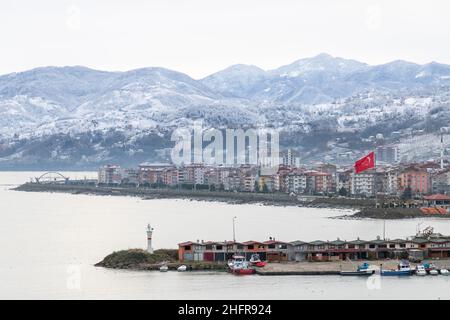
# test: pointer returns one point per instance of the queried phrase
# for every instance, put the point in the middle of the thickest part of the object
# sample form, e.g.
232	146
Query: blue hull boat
403	269
396	272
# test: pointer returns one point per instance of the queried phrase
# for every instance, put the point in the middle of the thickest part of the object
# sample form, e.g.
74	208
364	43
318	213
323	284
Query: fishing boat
236	259
362	270
429	266
254	259
444	272
244	271
434	272
420	270
164	268
238	265
182	268
403	269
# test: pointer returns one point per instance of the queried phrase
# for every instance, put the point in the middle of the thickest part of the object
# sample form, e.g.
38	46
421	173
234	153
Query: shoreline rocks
138	259
365	207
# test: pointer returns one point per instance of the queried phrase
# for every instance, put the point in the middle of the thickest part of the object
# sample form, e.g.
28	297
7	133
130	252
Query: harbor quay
334	267
415	248
275	257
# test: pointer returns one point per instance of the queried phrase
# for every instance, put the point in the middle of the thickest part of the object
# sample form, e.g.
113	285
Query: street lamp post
234	229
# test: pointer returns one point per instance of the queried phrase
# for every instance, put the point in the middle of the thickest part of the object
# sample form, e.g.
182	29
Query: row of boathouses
435	246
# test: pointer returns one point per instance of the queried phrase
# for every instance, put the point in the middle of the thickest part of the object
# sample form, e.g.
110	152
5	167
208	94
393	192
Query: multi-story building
414	178
153	173
130	176
289	158
363	183
296	182
391	178
387	154
440	182
344	181
250	181
171	177
110	174
195	173
331	169
319	182
232	181
266	182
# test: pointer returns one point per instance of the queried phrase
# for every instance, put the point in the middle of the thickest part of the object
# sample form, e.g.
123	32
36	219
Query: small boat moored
362	270
254	259
420	270
238	265
182	268
164	268
403	269
434	272
444	272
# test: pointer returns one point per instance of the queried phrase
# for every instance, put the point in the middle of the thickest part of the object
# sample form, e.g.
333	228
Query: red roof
437	197
251	242
433	210
273	242
231	242
187	243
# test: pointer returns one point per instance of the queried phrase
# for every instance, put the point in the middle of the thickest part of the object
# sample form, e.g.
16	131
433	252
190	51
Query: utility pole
234	228
442	150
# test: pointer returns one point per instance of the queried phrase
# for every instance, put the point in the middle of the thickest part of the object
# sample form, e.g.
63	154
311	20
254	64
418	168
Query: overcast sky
199	37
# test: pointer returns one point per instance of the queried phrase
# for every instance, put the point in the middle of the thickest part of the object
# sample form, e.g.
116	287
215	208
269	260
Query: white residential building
110	174
296	182
363	183
391	181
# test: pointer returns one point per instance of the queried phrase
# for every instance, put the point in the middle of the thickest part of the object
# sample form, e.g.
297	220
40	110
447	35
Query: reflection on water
51	241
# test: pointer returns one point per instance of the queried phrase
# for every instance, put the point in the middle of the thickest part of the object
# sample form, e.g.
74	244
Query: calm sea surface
49	243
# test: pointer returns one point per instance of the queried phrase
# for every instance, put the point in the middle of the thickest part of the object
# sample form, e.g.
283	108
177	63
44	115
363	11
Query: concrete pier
331	268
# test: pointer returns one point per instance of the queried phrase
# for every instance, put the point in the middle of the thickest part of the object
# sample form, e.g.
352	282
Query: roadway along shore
364	208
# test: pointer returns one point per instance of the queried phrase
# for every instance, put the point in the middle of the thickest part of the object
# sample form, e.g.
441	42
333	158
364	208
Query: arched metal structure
52	177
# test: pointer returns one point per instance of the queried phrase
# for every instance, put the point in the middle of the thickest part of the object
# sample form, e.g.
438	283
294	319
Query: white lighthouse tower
149	238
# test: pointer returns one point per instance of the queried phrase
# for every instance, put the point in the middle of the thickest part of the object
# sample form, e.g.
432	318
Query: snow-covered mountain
324	78
79	117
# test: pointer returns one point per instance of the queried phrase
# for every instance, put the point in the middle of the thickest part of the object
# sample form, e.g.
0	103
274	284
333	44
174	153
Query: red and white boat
238	265
256	261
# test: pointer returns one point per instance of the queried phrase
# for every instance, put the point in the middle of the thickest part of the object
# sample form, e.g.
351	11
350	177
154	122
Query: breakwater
276	198
365	208
138	259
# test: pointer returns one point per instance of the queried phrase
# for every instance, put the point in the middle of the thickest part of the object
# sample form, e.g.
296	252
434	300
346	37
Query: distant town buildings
403	180
387	154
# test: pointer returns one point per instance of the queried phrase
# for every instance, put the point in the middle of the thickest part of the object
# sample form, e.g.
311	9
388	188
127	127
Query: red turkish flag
365	163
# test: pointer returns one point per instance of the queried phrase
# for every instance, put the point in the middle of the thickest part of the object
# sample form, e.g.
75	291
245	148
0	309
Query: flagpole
369	162
376	196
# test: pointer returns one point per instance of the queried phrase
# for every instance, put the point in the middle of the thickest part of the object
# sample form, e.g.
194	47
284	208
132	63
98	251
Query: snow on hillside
62	113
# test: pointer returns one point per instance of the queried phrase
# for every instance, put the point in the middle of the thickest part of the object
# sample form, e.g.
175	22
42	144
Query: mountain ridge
80	115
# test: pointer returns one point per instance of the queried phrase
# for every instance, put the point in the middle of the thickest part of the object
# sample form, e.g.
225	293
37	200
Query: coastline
272	199
364	207
140	260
